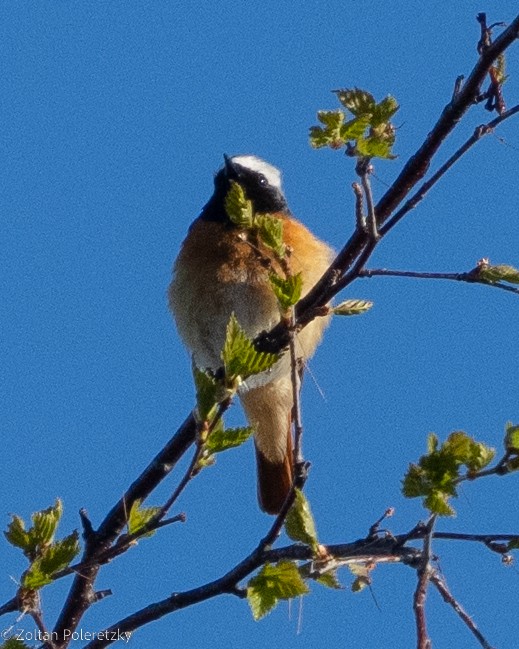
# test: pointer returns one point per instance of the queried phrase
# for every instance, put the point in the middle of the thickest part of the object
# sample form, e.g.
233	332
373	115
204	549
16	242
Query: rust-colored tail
274	479
269	410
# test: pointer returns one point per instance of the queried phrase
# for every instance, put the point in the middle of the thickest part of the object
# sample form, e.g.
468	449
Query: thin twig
470	277
479	132
353	255
361	550
296	396
418	164
420	594
37	616
375	528
360	218
364	168
441	586
78	600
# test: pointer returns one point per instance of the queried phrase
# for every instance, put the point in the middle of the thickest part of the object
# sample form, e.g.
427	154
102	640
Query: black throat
265	198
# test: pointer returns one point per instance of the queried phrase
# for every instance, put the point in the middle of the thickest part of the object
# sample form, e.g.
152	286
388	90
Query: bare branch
479	132
418	164
470	277
358	246
443	589
364	550
79	598
345	268
424	574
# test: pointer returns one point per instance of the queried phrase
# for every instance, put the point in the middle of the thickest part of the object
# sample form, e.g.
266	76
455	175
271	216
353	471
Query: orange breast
217	273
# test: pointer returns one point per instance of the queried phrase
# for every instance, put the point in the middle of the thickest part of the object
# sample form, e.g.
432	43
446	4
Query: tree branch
383	550
439	582
424	574
479	132
372	549
329	285
470	277
80	595
343	270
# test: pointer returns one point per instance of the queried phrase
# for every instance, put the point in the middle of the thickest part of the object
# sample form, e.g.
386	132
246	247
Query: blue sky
115	116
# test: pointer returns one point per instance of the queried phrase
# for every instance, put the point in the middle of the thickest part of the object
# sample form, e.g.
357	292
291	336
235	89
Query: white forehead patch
258	165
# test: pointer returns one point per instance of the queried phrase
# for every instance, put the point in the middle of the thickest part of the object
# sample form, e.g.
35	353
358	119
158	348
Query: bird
218	273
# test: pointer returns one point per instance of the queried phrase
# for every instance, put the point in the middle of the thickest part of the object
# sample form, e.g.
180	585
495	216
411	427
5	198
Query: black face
265	198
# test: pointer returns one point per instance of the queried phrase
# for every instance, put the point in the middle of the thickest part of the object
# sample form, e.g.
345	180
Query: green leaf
330	580
45	524
436	475
272	583
238	207
207	392
240	357
330	135
375	147
140	516
352	307
357	101
41	534
287	290
500	69
437	503
414	483
474	455
34	578
221	440
58	555
354	129
17	535
432	443
54	558
511	438
362	573
501	273
384	111
299	523
270	231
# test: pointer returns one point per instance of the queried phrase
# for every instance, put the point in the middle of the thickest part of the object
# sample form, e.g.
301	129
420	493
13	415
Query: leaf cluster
499	273
268	228
367	132
438	472
46	555
240	360
286	580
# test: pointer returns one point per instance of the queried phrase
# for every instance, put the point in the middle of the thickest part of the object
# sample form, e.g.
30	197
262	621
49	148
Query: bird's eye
262	180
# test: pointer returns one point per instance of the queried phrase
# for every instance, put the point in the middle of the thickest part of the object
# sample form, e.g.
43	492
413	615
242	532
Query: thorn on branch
88	531
179	518
375	528
301	471
485	40
100	594
494	94
457	87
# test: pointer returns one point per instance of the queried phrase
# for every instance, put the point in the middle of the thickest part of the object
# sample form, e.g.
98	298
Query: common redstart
217	273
